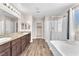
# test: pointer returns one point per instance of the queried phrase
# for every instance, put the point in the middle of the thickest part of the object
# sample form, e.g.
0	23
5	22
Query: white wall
71	25
46	29
64	26
29	21
26	20
1	25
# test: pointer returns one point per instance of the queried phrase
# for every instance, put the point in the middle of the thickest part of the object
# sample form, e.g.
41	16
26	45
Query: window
76	15
56	25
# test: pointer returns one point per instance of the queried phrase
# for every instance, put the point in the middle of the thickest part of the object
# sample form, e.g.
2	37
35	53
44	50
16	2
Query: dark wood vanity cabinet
19	50
23	43
29	37
14	50
5	49
19	44
5	53
15	47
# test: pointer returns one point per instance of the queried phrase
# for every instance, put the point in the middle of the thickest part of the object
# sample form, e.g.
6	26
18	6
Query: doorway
39	30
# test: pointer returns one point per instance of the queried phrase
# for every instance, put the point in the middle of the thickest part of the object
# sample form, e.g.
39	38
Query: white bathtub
65	48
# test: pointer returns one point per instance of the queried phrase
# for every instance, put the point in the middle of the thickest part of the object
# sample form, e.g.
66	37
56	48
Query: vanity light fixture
4	4
11	8
37	10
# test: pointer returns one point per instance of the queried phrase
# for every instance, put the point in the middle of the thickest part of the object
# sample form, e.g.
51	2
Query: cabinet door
18	47
23	47
29	38
23	40
26	39
4	46
5	52
14	50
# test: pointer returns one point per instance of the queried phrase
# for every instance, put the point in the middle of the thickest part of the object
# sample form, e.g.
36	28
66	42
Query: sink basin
3	36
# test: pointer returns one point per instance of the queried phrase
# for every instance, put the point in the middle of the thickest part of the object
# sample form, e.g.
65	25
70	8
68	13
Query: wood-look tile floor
37	48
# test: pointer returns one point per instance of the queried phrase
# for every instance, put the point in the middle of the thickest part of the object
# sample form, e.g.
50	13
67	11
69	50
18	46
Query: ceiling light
38	11
37	8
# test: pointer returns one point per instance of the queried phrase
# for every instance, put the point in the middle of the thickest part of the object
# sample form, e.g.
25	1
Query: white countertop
67	48
4	40
11	37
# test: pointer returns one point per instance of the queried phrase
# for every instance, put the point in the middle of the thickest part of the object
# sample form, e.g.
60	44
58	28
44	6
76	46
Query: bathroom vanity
14	44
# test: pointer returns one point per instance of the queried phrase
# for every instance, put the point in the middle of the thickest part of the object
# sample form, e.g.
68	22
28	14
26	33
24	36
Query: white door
39	31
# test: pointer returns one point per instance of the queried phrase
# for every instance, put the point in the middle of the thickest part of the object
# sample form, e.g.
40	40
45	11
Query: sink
3	36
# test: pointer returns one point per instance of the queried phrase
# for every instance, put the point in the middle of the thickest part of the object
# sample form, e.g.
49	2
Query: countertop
67	48
12	36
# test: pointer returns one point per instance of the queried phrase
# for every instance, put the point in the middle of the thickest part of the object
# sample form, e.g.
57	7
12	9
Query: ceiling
42	9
